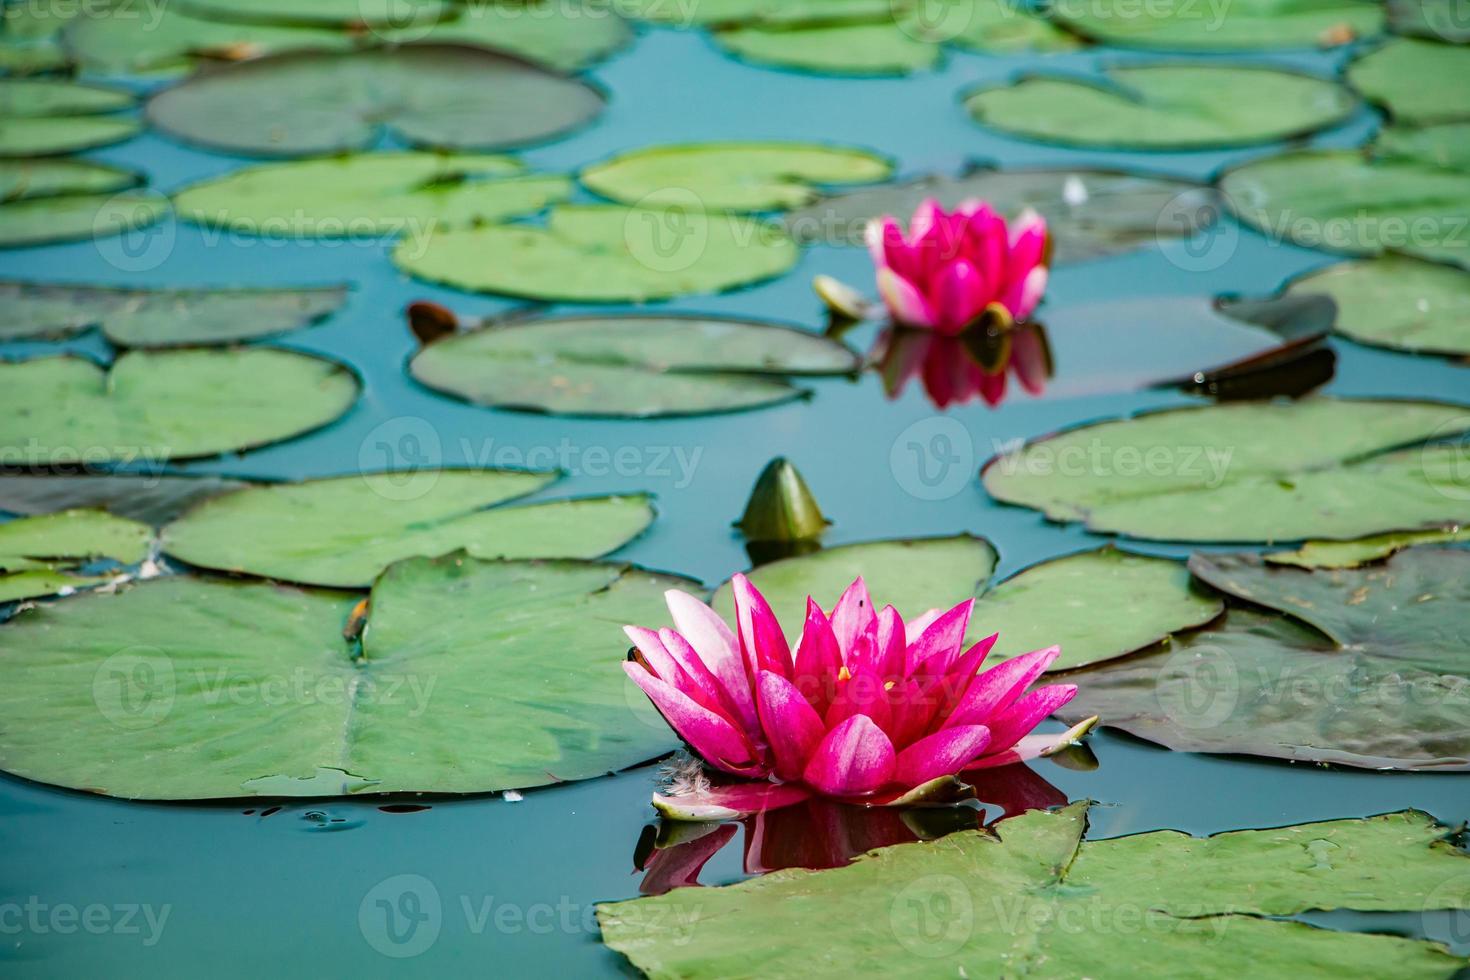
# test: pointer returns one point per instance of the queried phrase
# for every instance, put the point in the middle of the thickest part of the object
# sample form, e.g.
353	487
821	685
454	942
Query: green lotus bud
781	506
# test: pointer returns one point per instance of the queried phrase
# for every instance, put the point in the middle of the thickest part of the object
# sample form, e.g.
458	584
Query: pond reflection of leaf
819	833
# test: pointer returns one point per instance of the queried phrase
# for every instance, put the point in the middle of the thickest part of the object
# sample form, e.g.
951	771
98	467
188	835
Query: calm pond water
247	893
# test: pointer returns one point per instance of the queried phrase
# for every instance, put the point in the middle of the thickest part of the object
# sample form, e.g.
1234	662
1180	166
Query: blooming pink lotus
865	707
954	266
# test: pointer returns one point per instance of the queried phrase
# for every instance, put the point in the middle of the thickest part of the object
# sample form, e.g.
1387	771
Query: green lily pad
1360	667
567	36
473	677
1096	605
1249	25
151	498
21	57
1415	81
731	176
38	583
333	13
39	555
22	180
1351	554
1031	898
629	367
343	531
1089	213
1176	106
604	253
1000	27
1397	302
877	47
162	317
1445	145
436	96
707	12
156	36
1441	20
40	117
168	405
76	217
1345	201
913	576
370	194
1316	468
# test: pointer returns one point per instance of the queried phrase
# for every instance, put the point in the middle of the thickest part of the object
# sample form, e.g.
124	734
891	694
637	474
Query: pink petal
668	668
942	754
793	729
994	690
963	670
818	658
711	736
992	388
986	247
729	801
907	305
1021	298
759	631
960	293
938	646
925	219
718	648
915	627
1028	243
911	707
1028	711
853	615
944	377
854	759
703	679
892	643
863	693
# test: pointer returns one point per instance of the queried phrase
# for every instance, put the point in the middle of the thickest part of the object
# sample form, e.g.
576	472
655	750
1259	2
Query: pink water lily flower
865	706
953	266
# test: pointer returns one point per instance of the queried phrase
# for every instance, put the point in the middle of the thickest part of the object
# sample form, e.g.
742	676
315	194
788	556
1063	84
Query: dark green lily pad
343	531
1096	605
561	34
1351	554
151	498
1346	201
604	253
1317	468
1089	213
370	194
20	57
75	217
1415	81
40	117
1030	897
56	411
162	317
731	176
1445	145
875	47
629	367
1190	25
1361	667
436	96
40	556
332	13
1176	106
473	677
1397	302
913	576
1441	20
22	180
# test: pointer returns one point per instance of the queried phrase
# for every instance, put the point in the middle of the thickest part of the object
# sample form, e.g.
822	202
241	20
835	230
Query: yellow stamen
844	674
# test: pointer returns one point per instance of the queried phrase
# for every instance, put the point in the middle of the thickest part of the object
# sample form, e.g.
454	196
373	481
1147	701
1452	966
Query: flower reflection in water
974	364
818	833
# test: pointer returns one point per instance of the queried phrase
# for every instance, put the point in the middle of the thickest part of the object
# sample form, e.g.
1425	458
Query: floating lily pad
151	498
1191	25
1089	213
1397	302
441	96
877	47
39	556
40	117
22	180
731	176
559	34
913	576
604	254
1164	107
1345	201
707	12
1442	20
344	530
334	13
1363	667
170	405
73	217
162	317
473	677
1318	468
1350	554
1096	605
1030	897
1445	145
1415	81
629	367
370	194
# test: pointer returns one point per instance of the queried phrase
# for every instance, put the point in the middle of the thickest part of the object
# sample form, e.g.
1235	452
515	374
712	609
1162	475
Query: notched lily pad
435	96
1175	106
66	410
1361	551
1418	82
150	498
1397	302
229	688
1359	667
162	317
40	117
877	47
45	555
629	366
342	531
1188	25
